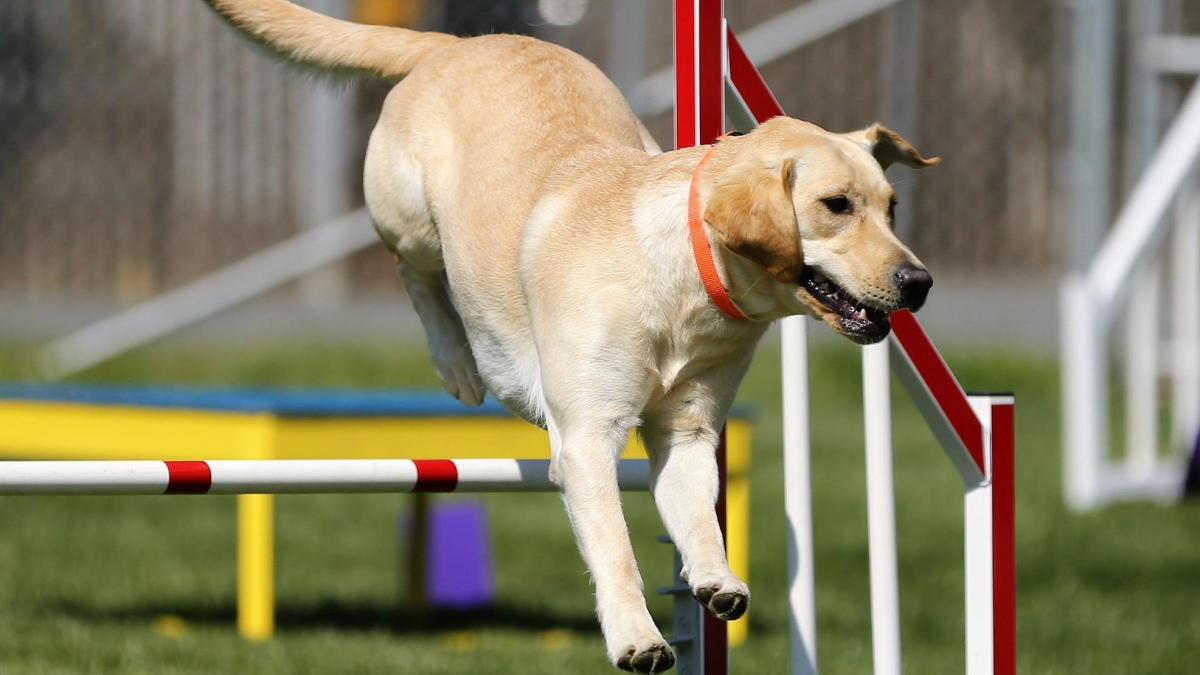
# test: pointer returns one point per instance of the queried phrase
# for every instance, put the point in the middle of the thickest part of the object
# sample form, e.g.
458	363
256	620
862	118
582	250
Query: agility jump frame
698	651
714	76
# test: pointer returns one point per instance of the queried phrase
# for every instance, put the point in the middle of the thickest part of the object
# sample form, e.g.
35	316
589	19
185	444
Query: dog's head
803	223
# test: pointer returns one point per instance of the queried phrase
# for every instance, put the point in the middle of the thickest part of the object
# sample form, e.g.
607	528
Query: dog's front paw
726	600
654	657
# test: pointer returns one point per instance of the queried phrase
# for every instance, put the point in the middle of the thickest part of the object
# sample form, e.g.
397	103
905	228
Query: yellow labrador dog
544	240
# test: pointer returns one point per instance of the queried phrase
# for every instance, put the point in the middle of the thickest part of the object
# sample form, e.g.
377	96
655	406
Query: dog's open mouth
857	320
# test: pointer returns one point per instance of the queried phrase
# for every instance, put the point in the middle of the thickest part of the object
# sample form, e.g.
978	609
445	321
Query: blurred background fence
143	145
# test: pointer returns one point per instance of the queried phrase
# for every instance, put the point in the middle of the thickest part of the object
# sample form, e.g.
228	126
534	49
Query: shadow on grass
348	616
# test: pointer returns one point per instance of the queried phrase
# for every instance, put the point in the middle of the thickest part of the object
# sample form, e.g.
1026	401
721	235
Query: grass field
146	585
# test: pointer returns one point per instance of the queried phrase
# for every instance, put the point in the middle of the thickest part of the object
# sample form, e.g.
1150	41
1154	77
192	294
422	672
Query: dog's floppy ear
889	147
751	213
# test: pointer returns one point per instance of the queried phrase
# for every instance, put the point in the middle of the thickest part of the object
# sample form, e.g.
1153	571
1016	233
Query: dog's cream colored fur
542	237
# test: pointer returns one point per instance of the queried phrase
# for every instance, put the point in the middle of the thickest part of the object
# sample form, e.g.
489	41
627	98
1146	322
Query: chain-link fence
142	144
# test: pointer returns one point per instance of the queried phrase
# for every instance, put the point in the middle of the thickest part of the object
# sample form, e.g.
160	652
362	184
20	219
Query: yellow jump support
256	566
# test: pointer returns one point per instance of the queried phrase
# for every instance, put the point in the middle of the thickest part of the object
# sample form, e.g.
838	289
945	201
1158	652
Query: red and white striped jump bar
292	476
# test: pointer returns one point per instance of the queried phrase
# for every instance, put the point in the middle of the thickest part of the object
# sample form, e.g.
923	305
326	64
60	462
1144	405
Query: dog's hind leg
396	200
445	335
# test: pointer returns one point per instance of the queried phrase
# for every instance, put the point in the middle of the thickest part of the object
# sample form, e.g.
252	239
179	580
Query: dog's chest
699	345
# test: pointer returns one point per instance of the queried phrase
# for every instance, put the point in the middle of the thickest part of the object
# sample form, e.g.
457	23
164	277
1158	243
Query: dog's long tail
318	41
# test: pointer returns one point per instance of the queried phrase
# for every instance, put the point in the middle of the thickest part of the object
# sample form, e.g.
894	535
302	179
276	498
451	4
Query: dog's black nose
914	283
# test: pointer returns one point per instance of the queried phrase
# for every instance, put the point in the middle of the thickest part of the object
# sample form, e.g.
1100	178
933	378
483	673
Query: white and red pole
292	476
977	433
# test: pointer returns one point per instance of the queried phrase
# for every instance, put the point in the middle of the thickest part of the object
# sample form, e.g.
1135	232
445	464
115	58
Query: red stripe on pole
1004	545
750	83
711	57
716	631
188	478
435	475
940	382
685	73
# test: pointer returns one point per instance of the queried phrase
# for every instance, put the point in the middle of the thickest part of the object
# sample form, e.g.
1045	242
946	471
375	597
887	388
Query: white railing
1091	300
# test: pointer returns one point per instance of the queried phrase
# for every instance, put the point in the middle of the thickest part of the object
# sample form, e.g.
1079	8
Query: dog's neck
755	292
661	227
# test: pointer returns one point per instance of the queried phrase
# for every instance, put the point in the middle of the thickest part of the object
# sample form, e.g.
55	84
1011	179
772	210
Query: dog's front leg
681	435
586	460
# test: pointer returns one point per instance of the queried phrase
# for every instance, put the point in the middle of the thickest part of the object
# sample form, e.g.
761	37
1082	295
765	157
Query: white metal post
1185	311
687	626
322	168
1141	376
797	479
978	538
881	510
1085	394
1142	98
1089	150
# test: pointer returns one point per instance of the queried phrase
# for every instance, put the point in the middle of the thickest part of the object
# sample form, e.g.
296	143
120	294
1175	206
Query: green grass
85	583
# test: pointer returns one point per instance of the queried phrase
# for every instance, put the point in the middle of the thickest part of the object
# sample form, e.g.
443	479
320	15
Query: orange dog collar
702	250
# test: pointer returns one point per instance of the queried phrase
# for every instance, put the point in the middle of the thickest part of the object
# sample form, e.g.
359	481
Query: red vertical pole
700	118
687	123
1004	560
699	71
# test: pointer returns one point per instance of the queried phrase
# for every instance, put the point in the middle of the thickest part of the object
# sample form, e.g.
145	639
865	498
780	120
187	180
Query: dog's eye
837	204
892	209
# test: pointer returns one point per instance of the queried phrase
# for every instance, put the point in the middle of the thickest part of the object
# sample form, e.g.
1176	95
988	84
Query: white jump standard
713	76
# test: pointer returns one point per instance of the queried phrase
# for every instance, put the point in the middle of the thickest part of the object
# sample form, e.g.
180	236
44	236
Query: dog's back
456	164
481	125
